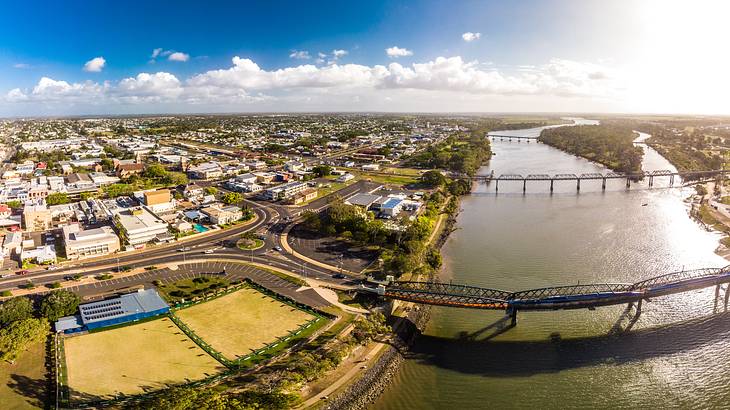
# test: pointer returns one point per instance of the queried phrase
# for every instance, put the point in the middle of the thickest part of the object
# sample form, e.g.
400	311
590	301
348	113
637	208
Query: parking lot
330	250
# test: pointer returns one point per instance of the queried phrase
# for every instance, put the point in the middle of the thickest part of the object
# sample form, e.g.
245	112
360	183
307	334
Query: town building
131	307
363	200
80	244
159	201
127	170
284	191
222	215
138	226
37	217
345	177
304	196
206	170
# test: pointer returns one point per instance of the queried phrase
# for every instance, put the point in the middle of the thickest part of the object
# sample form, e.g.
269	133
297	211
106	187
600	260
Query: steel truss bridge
650	175
587	296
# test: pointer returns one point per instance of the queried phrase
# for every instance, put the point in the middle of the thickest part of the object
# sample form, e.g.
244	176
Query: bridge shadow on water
477	353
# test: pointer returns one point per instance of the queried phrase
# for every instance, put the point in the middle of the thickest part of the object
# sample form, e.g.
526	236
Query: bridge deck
559	297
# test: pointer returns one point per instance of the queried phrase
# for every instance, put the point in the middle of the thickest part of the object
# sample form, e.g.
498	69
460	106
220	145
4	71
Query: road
222	243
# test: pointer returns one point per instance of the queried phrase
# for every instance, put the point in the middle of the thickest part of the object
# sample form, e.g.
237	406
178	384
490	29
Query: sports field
240	322
23	383
134	359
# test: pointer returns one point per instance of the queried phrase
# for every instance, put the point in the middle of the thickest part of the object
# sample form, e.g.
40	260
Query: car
6	275
278	248
183	249
22	272
338	276
208	251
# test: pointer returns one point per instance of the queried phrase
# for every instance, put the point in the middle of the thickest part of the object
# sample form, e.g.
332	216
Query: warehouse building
131	307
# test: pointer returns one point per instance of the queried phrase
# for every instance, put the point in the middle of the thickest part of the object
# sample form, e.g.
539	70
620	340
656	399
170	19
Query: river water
677	354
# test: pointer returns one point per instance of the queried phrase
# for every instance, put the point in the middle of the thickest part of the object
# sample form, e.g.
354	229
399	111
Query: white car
208	251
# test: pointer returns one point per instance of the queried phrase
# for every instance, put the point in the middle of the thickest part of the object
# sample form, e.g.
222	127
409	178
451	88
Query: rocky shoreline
368	388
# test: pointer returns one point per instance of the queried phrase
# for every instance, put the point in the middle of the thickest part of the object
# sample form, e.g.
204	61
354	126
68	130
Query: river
675	355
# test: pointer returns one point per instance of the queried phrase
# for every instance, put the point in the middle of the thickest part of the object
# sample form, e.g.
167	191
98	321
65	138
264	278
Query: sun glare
683	59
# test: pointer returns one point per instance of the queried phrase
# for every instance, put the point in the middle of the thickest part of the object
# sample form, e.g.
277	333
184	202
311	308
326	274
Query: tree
155	171
57	198
19	335
210	190
15	204
59	303
232	198
18	308
433	179
322	170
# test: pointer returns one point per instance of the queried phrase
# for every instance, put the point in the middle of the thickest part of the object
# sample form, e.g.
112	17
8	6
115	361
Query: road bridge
629	177
587	296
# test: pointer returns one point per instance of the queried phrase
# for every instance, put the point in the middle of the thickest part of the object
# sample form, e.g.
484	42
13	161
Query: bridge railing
473	296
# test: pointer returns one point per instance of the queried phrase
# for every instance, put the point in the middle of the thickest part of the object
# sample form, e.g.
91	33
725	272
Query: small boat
644	204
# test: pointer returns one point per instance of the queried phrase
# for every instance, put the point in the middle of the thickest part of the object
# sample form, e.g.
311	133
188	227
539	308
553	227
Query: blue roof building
126	308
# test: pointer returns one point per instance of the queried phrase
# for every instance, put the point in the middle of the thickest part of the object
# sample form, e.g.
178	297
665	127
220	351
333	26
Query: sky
587	56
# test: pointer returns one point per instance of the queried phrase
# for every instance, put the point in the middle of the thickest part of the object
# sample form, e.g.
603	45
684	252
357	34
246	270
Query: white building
137	226
92	242
284	191
345	177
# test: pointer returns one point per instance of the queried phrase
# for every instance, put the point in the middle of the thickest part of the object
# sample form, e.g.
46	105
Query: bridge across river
587	296
650	175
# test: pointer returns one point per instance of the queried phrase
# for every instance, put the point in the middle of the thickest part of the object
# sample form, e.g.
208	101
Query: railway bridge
587	296
577	178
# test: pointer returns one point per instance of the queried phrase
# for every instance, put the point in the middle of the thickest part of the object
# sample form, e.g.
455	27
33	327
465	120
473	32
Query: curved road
222	244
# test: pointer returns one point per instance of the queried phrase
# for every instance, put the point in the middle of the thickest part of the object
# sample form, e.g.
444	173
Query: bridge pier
496	185
551	185
577	185
513	315
671	180
603	184
651	181
524	186
628	183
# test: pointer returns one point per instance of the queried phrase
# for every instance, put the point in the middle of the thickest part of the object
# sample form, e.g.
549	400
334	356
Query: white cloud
156	87
21	65
339	53
469	36
445	82
395	52
156	52
300	55
178	56
95	65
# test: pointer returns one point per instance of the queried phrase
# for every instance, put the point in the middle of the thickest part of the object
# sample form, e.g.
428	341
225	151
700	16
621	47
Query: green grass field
23	384
240	322
134	359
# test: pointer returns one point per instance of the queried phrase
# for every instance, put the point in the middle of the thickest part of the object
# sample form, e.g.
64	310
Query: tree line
610	145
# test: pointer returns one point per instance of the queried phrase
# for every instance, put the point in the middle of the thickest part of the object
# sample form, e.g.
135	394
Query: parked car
278	248
22	272
338	276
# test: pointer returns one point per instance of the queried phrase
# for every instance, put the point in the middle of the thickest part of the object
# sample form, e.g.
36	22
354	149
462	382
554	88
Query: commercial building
304	196
37	217
137	226
206	170
284	191
159	200
131	307
80	244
